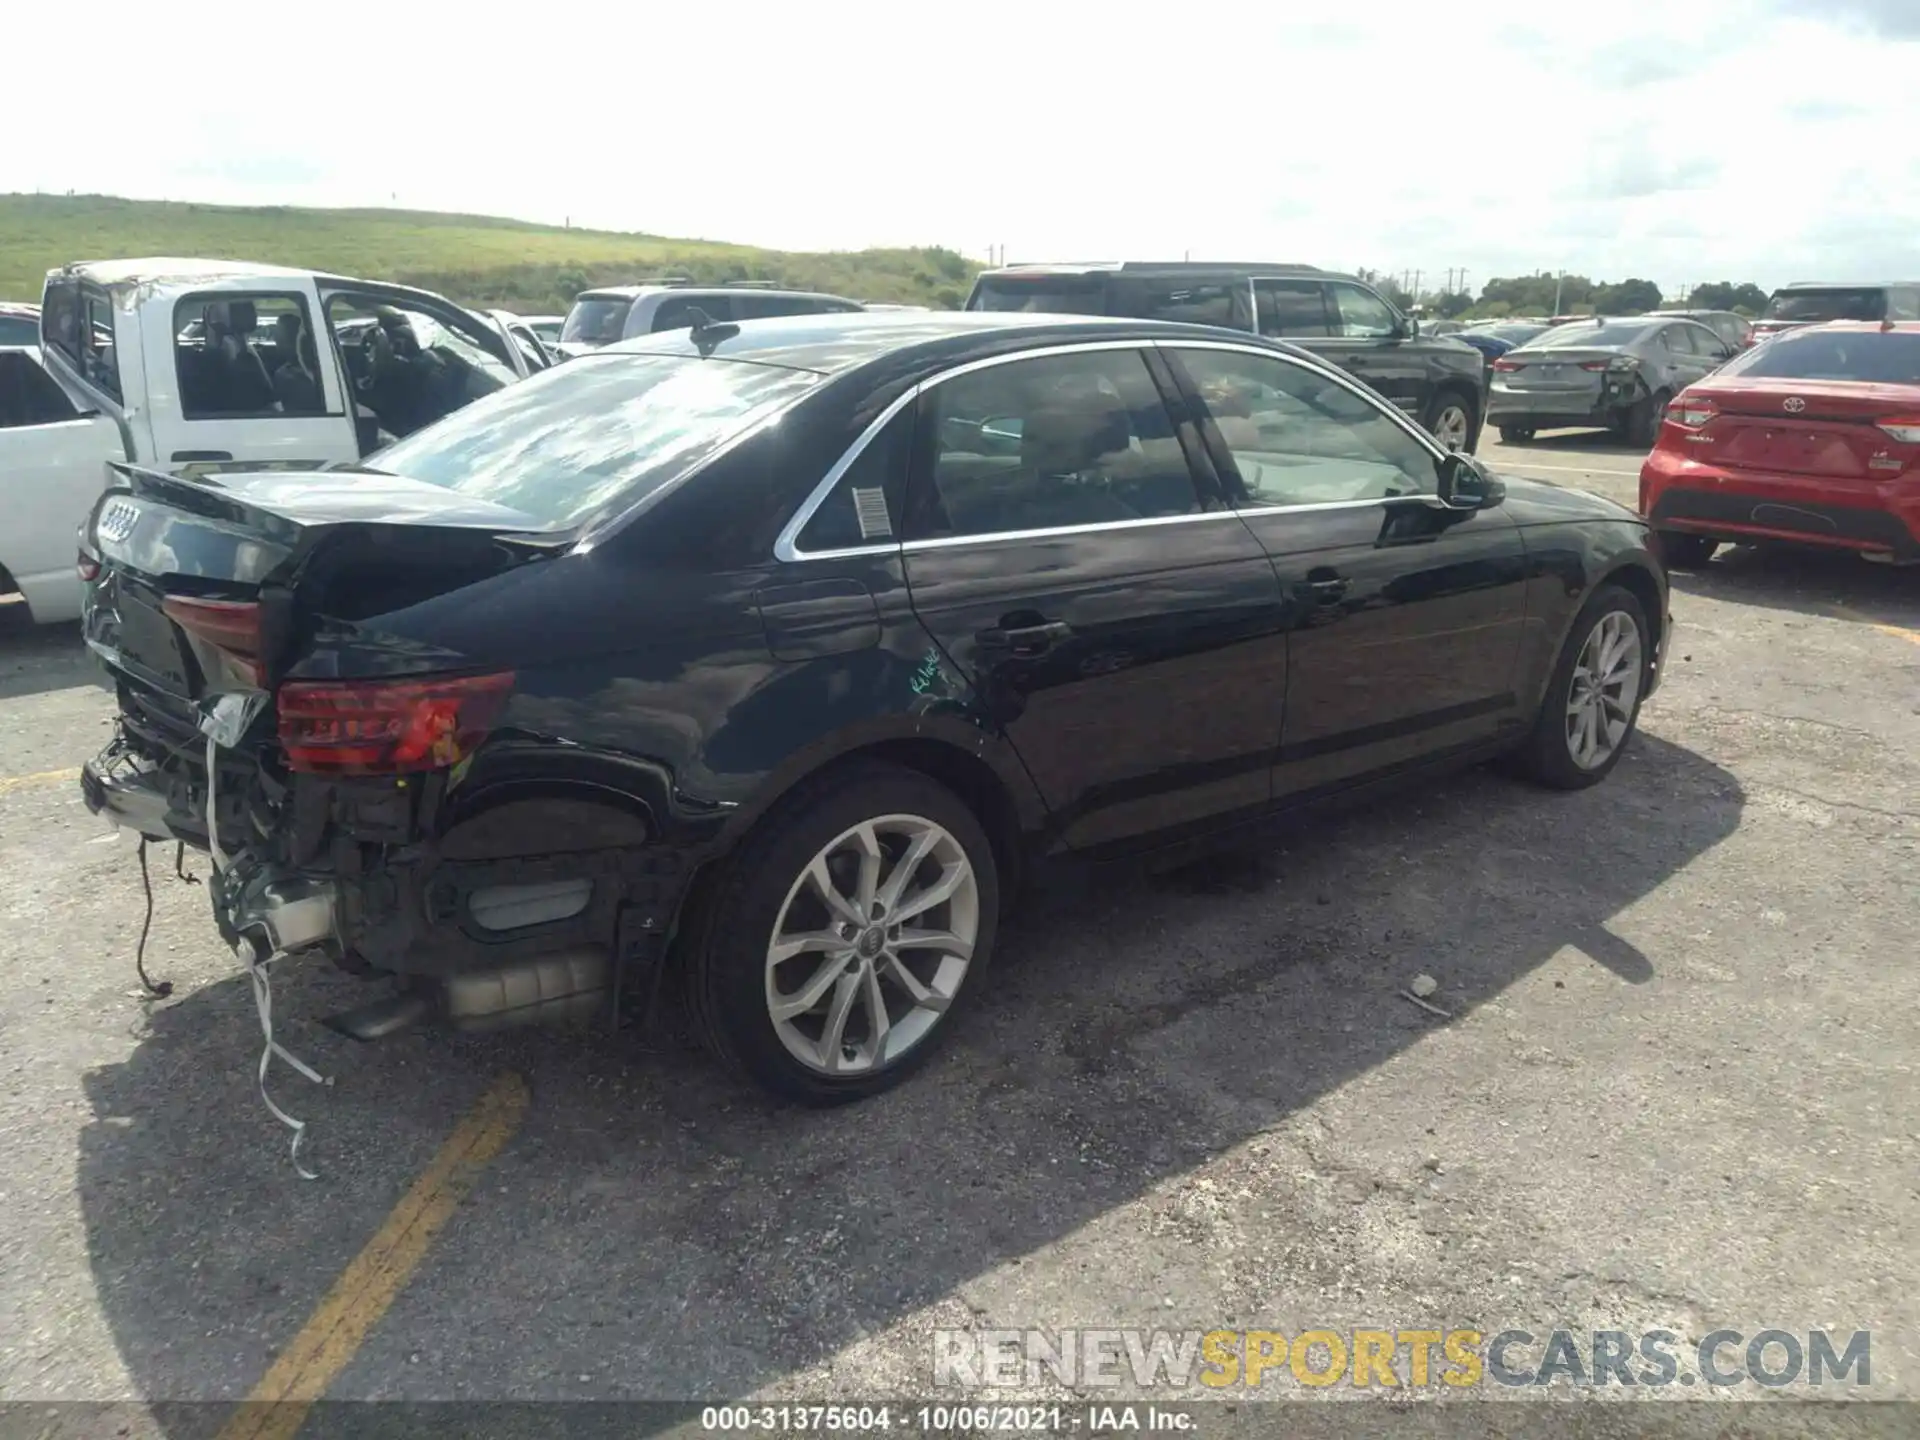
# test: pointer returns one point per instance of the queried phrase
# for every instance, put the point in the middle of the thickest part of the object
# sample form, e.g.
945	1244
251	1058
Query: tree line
1575	294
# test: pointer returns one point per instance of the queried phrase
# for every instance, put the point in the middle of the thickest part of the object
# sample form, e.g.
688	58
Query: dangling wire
180	864
165	988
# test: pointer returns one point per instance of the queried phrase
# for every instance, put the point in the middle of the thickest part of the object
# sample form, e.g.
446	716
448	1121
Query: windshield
1047	294
565	443
1889	357
1862	304
1578	336
595	320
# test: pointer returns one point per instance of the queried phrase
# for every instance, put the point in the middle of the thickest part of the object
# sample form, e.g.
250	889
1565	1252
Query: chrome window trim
786	550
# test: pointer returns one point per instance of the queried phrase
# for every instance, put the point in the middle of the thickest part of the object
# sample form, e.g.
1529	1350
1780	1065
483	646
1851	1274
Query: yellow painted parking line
10	783
368	1287
1846	612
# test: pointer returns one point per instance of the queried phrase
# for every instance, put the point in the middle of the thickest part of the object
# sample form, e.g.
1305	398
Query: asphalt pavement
1671	1087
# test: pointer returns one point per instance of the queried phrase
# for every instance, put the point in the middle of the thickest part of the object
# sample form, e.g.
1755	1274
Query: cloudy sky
1743	139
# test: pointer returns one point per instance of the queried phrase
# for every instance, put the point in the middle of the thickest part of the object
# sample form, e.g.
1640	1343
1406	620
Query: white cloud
1762	139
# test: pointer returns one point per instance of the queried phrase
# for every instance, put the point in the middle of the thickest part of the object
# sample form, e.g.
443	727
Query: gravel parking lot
1672	1089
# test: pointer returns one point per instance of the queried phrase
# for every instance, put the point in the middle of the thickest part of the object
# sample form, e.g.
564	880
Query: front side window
1295	437
28	395
560	445
1362	314
1050	443
411	366
246	356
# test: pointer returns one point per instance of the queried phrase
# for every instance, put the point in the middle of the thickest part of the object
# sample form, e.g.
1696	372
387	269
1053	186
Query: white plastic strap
263	1002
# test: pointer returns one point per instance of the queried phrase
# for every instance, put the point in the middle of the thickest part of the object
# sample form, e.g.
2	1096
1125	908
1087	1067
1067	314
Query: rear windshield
1048	294
1890	357
1862	304
575	438
595	320
1588	337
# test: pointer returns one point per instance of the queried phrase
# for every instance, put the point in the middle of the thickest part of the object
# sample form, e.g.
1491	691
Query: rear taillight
231	627
387	727
1904	428
1507	367
87	567
1595	364
1690	414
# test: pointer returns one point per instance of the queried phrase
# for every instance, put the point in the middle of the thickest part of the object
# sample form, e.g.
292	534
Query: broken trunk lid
204	581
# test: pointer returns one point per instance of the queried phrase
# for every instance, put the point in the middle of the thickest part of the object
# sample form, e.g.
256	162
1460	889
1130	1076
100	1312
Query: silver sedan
1614	374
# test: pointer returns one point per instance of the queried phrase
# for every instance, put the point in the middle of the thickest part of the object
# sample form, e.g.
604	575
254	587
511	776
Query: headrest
1069	435
242	316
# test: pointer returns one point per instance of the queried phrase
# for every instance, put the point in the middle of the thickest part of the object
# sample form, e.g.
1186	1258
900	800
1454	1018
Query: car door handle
1329	591
1035	639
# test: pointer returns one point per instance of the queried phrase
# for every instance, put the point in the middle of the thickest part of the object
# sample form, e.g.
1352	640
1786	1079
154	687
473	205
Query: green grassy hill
476	259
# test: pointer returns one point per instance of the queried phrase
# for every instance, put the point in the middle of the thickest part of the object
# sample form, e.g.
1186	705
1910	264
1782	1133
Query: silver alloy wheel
1606	684
1450	426
872	944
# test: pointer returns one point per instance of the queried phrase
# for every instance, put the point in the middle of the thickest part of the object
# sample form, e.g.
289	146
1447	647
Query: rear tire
1643	420
1453	419
1516	434
768	899
1685	552
1610	687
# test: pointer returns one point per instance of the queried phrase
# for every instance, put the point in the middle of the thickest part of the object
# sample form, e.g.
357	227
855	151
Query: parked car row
1436	379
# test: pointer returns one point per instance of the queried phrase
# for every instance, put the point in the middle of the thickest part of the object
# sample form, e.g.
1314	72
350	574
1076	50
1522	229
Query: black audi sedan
768	657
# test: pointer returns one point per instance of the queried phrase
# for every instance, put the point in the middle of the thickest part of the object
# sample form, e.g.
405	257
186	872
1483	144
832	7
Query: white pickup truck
197	366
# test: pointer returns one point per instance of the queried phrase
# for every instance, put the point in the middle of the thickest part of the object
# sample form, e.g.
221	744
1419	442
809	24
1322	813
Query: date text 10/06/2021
960	1419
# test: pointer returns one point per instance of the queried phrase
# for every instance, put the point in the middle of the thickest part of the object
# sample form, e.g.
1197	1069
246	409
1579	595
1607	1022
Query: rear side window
764	307
78	322
1048	295
1214	302
1290	309
246	356
864	504
19	330
1903	304
1055	442
1871	356
677	312
1804	306
28	395
595	320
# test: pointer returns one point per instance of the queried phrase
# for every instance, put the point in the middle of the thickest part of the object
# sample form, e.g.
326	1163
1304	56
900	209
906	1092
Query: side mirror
1405	327
1465	486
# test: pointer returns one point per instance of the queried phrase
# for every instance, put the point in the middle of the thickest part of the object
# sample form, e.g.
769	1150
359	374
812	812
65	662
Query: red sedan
1813	438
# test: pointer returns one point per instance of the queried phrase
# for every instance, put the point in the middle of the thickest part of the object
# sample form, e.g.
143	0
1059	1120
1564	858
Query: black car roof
829	344
1167	269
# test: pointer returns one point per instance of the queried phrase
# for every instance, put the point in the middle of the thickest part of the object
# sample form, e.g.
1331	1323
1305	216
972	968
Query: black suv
1438	379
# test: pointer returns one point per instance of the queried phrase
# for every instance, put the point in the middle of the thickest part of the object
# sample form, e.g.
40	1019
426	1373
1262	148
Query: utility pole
1558	281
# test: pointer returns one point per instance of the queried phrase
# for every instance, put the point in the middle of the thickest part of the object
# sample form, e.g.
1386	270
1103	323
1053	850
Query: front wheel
1592	704
1516	434
844	934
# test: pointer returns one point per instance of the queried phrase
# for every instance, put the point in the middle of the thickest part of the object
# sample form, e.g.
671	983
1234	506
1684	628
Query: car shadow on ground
656	1231
37	658
1808	580
1591	442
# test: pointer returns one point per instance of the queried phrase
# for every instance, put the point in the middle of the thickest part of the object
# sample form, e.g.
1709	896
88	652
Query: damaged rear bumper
475	944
